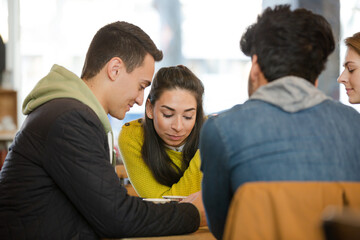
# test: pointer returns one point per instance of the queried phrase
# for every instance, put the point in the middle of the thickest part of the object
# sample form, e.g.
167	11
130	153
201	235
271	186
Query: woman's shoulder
133	127
131	131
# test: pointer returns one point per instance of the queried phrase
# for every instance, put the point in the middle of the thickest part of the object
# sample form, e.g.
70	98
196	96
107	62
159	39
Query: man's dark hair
119	39
2	56
287	42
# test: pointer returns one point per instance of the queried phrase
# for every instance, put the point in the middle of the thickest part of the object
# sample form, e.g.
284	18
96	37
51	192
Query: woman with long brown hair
160	152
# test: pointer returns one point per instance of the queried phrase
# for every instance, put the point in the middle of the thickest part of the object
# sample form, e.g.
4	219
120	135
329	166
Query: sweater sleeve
130	144
77	160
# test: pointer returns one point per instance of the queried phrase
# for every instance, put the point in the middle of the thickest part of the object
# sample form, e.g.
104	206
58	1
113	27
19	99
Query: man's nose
140	98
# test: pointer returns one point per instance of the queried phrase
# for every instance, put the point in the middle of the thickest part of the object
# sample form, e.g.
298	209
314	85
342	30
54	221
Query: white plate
157	200
175	198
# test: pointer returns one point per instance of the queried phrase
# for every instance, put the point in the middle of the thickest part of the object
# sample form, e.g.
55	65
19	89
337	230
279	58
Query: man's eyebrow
171	109
147	82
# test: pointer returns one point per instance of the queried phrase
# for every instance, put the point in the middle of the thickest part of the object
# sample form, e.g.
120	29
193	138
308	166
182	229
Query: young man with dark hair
58	181
288	130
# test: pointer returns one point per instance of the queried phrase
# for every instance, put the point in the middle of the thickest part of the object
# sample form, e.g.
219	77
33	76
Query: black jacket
57	183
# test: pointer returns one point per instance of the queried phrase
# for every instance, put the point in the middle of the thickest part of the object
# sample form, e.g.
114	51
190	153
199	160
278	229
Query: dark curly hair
287	42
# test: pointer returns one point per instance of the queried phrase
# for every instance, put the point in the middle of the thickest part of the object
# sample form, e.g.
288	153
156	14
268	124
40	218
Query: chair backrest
286	210
340	224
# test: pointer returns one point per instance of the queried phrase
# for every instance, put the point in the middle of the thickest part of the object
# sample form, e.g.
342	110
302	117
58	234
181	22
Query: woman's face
350	77
174	115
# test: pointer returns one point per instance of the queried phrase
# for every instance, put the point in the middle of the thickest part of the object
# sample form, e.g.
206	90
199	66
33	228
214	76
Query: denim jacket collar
290	93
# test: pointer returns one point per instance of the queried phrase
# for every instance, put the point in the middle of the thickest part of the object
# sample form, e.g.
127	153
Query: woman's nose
177	124
343	77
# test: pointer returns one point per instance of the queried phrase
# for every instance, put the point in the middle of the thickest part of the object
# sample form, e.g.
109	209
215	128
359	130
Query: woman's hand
196	199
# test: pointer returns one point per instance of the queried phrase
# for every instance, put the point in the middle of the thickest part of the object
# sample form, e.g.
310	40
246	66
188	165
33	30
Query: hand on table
196	199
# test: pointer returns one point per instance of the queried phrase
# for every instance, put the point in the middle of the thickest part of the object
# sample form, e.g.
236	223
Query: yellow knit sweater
131	140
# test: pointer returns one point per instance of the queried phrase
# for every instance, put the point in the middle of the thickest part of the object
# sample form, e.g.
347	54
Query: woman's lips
349	90
175	138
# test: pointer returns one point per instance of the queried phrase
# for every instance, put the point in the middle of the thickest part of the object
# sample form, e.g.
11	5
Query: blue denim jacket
288	130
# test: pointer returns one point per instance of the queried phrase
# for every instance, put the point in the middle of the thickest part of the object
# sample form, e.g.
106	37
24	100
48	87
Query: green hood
61	83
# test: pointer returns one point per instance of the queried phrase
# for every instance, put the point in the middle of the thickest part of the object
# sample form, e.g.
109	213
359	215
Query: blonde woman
350	77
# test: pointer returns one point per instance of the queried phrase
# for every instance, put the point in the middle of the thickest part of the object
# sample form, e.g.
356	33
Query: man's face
129	88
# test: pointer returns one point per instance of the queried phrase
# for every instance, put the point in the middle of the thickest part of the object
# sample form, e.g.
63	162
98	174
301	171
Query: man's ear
257	77
114	68
149	109
316	83
255	70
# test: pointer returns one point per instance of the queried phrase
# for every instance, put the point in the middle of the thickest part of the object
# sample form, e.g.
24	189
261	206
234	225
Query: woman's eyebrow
167	107
347	63
189	109
171	109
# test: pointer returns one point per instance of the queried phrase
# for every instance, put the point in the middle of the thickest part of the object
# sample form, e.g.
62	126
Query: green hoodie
61	83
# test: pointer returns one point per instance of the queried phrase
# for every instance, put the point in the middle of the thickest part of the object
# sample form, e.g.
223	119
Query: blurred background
203	35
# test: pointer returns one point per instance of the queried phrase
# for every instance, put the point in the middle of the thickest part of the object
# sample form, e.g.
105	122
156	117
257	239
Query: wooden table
121	171
202	233
122	174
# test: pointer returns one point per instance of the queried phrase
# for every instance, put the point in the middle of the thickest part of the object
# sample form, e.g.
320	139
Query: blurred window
203	35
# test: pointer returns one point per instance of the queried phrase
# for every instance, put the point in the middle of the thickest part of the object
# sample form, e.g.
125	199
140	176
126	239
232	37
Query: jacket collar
290	93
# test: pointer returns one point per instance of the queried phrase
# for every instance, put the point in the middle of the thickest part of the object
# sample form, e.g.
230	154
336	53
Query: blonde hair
354	42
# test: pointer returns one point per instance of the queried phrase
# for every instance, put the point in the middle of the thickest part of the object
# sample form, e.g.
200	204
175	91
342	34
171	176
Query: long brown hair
153	150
